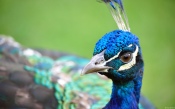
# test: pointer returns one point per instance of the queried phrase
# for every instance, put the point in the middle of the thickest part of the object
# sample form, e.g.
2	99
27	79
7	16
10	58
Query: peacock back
43	79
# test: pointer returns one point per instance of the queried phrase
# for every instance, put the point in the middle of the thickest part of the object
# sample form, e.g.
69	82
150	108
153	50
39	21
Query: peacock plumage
43	79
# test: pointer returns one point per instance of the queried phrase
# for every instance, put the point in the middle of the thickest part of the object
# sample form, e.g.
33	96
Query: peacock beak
96	64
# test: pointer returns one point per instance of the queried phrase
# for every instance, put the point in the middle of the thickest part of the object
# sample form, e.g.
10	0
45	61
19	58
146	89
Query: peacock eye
126	57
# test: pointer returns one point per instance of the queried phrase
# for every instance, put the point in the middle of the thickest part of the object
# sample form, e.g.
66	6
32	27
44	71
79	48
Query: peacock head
117	55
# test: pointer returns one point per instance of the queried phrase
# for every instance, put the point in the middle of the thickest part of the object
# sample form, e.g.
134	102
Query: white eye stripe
116	55
131	63
113	57
130	45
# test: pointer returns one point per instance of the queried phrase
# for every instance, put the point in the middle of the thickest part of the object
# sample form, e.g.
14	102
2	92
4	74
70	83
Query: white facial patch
131	63
113	58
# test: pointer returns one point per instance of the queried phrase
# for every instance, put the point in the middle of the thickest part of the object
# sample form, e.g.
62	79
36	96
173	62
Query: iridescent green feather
93	85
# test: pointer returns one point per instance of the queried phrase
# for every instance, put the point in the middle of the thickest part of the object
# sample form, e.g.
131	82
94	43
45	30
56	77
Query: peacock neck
125	95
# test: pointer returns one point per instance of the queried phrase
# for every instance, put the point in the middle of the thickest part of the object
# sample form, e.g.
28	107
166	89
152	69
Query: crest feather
118	13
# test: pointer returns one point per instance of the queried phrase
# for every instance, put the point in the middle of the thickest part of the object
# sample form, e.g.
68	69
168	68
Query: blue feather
114	41
126	83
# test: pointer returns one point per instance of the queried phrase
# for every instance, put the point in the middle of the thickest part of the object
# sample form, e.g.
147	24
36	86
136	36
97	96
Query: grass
74	26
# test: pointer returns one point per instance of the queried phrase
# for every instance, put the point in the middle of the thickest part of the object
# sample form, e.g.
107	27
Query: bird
118	56
45	79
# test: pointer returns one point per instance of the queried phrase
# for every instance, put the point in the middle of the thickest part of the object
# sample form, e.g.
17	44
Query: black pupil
126	57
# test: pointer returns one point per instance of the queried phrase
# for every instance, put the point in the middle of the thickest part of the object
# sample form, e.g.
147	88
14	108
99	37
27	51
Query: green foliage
75	25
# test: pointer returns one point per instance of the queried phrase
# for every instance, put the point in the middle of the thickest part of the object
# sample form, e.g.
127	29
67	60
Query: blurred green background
74	26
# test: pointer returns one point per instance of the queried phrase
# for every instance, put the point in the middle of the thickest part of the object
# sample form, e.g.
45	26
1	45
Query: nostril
99	61
96	63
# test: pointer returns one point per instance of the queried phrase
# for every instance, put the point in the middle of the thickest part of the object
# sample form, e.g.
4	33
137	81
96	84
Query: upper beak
96	64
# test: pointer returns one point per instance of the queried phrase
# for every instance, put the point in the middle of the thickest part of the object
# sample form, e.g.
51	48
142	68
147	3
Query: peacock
44	79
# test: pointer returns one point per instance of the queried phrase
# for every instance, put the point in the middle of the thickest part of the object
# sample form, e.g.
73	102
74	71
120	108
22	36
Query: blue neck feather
125	95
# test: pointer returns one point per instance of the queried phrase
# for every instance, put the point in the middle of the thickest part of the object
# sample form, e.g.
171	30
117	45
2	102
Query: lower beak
96	64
